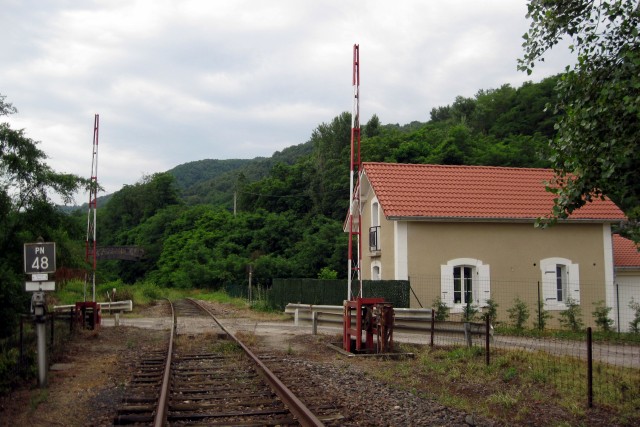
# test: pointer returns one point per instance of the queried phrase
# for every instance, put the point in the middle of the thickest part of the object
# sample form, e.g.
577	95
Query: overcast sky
178	81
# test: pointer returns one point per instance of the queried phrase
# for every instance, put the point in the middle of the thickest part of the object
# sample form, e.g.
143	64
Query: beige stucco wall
513	252
386	255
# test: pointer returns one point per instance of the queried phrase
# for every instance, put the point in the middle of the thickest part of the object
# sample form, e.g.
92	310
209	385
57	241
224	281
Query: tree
598	106
26	212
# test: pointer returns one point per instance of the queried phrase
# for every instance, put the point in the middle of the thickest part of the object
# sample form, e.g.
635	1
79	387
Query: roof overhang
626	268
485	219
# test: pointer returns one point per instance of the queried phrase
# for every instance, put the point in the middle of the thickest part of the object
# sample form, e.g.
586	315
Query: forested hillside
290	207
214	181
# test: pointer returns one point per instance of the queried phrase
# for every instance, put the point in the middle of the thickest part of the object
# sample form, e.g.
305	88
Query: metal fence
334	292
619	302
18	351
589	343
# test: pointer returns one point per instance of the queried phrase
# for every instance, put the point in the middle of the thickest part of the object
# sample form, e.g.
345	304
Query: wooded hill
290	207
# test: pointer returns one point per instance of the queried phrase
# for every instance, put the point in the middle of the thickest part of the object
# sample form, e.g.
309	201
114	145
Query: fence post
487	330
539	308
21	343
433	325
467	333
53	321
315	322
589	368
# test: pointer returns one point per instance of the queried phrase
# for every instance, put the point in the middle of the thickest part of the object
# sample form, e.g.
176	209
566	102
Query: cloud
177	81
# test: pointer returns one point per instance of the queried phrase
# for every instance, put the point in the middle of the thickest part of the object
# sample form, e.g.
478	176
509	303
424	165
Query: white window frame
374	265
375	226
570	277
480	285
375	212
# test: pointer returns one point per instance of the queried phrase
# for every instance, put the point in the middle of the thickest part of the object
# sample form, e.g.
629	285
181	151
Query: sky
179	81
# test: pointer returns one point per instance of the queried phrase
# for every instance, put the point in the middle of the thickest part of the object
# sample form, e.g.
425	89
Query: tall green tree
27	211
596	148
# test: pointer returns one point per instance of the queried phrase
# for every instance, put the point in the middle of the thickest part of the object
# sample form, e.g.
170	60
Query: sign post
39	262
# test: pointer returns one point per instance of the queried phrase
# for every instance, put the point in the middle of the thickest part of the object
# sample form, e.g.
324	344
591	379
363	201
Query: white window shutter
446	284
549	284
573	282
484	284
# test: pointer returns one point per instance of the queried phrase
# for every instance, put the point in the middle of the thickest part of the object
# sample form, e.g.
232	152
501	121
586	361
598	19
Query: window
374	230
374	239
560	282
376	271
465	281
462	284
375	213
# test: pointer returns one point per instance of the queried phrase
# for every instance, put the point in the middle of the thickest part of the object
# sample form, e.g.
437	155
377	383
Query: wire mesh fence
557	303
18	351
334	292
552	334
527	324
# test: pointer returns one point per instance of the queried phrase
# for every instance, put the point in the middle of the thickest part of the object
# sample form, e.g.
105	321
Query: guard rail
406	320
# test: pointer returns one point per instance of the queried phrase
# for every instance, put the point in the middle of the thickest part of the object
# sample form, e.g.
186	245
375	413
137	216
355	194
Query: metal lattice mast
355	225
91	216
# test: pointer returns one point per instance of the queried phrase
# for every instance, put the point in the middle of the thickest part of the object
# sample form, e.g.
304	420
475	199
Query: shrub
124	293
491	312
571	318
519	313
634	325
542	317
469	313
441	310
601	316
327	273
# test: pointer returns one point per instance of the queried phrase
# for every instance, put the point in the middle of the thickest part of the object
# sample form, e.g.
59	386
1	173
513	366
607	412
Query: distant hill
213	181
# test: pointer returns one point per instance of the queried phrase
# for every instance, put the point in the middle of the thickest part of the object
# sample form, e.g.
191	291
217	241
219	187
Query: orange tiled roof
471	192
625	252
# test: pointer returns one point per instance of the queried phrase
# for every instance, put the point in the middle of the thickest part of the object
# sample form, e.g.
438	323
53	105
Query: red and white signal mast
355	227
88	312
92	214
373	316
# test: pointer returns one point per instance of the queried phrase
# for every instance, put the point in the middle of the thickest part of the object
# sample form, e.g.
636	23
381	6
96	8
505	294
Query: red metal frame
361	307
93	321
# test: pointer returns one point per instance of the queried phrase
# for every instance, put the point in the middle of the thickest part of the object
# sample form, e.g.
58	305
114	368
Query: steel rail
304	415
163	402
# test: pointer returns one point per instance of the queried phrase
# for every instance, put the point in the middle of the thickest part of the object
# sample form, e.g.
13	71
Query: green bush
601	316
571	318
634	325
491	311
441	310
152	291
327	273
542	317
469	312
519	313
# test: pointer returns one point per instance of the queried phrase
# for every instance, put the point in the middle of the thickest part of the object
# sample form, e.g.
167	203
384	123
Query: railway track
212	378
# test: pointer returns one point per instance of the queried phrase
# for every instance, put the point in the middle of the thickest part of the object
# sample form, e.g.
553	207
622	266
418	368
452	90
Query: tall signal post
373	316
91	216
355	226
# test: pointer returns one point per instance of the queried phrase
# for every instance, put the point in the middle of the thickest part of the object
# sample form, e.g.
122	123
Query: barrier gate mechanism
373	317
88	315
